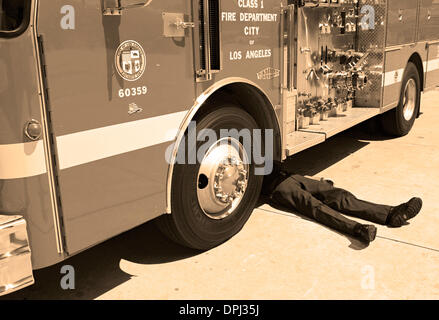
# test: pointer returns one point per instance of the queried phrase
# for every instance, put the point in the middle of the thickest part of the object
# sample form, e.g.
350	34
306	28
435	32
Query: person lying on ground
322	202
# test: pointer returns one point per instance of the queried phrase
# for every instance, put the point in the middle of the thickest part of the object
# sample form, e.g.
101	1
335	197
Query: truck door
429	31
119	83
429	20
401	22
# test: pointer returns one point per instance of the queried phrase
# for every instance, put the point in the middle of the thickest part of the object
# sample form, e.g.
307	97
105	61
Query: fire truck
97	98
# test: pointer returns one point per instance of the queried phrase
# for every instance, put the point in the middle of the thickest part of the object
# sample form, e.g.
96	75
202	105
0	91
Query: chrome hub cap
223	178
409	100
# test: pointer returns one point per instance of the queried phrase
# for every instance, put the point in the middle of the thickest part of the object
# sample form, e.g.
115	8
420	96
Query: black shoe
366	233
401	214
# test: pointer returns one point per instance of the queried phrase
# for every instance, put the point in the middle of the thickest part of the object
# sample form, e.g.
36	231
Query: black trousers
322	202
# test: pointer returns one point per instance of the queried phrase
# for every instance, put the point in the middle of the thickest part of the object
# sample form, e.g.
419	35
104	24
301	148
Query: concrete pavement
280	255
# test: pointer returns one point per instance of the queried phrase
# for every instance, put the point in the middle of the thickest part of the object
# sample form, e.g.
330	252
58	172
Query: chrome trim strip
393	49
17	286
190	115
206	13
400	46
46	135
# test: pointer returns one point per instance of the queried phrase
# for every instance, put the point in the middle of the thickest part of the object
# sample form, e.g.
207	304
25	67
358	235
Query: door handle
137	5
174	25
180	24
115	8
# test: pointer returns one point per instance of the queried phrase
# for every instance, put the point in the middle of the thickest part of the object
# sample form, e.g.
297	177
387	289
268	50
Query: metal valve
312	72
325	69
359	80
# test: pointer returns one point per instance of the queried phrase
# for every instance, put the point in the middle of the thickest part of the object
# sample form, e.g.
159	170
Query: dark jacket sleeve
272	180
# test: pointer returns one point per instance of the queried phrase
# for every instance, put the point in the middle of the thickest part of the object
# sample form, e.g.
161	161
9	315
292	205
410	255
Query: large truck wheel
399	121
214	198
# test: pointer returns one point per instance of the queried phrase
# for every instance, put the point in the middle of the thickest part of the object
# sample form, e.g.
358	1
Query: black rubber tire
393	121
188	225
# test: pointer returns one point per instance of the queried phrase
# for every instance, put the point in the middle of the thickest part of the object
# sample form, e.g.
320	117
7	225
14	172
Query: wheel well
253	101
416	59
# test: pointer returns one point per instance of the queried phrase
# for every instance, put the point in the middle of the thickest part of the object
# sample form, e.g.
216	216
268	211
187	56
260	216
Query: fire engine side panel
432	66
401	21
395	64
112	133
429	31
24	187
250	45
371	40
397	56
400	31
428	20
315	46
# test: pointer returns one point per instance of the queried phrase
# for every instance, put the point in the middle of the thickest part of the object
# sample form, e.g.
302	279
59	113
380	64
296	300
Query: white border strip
393	77
390	78
97	144
22	160
432	65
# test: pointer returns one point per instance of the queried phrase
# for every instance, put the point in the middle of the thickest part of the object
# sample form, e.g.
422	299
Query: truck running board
15	255
316	134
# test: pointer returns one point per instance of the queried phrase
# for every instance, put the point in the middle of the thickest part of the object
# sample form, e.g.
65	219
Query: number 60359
132	92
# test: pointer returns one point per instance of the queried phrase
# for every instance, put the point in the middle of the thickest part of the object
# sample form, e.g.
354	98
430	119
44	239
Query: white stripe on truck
97	144
22	160
395	76
432	65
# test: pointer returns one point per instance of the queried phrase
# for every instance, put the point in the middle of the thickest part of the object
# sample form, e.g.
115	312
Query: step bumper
15	255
